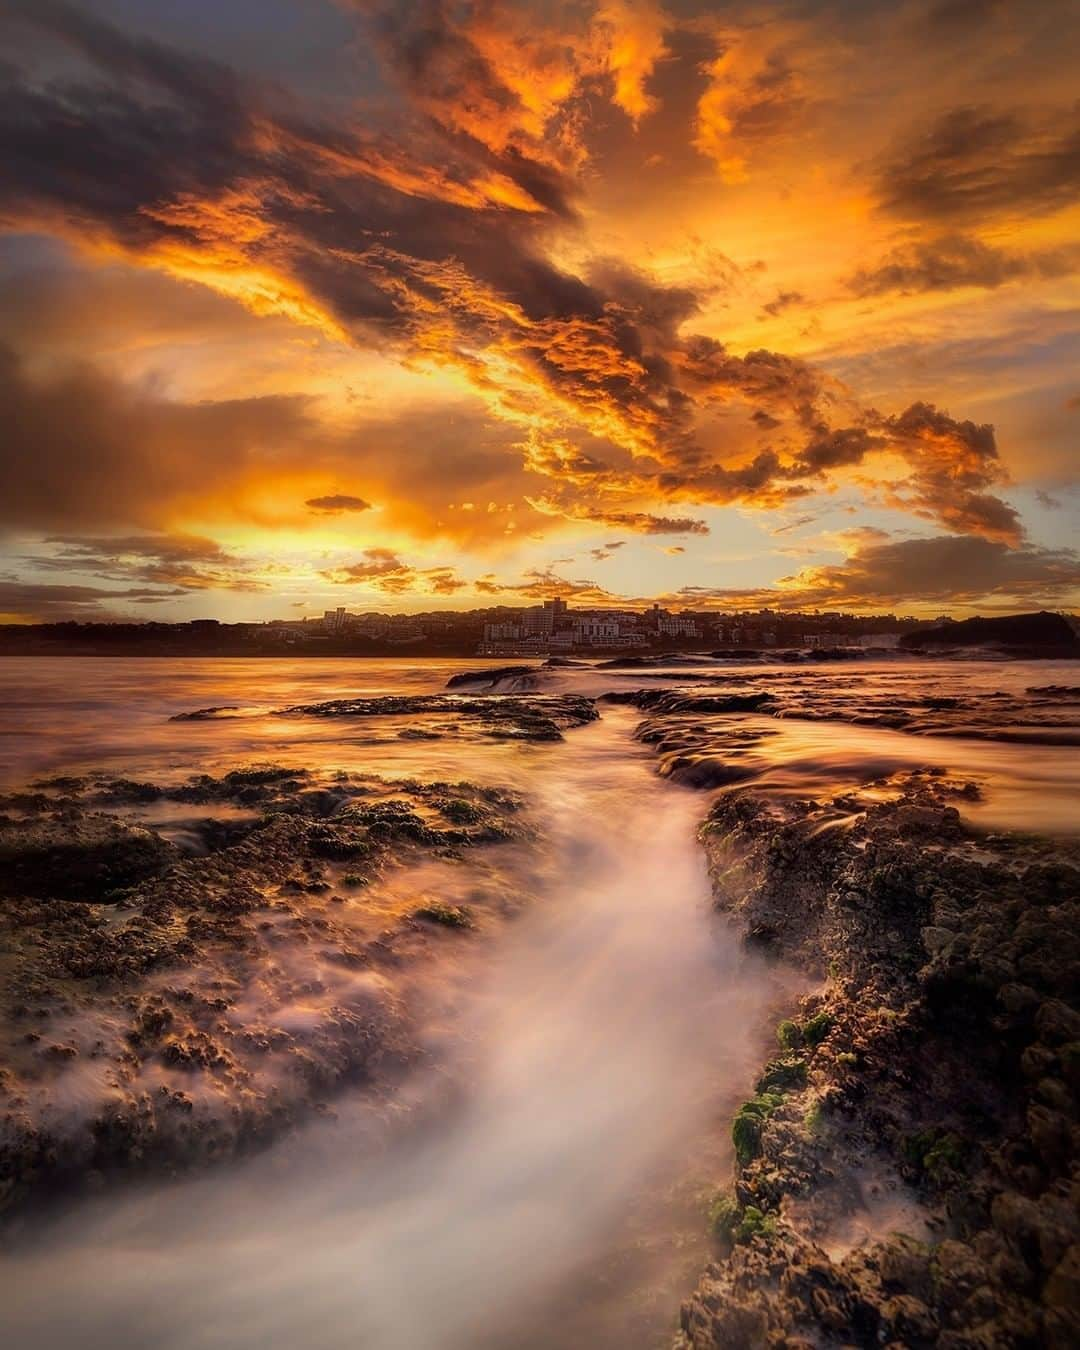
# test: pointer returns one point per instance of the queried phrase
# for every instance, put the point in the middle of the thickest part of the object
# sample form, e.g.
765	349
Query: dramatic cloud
227	188
952	261
80	449
976	161
513	79
951	464
755	95
501	277
381	569
182	560
945	570
908	574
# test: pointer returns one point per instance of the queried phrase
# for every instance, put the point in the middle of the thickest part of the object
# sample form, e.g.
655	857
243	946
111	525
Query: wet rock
906	1264
1062	1292
952	1056
907	1321
205	714
957	1273
185	969
79	856
491	675
531	717
936	939
704	772
1056	1022
448	916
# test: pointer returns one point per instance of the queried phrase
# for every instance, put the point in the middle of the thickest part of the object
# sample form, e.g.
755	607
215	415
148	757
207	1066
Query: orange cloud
756	93
452	226
631	40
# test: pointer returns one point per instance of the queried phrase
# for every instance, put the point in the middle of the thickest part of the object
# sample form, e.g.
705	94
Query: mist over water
592	1046
529	1182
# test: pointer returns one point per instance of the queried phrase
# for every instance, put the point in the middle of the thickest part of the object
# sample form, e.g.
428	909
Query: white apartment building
673	625
503	632
595	630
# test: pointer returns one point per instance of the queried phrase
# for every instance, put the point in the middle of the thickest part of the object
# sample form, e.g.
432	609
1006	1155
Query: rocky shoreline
195	965
906	1166
169	1007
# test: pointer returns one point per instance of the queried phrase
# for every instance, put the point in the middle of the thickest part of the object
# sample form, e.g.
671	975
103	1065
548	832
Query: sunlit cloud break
458	301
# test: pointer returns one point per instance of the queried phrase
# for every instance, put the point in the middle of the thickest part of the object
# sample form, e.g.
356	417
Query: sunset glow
456	305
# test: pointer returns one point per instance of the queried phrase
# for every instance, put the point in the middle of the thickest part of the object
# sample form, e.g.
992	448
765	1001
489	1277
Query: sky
418	304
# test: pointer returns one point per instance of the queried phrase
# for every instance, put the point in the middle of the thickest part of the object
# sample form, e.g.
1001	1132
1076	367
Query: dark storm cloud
176	159
977	162
656	310
163	123
955	260
718	483
174	156
835	448
771	379
158	127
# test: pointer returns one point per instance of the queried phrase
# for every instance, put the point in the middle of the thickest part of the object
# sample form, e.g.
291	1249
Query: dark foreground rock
906	1167
79	855
164	1008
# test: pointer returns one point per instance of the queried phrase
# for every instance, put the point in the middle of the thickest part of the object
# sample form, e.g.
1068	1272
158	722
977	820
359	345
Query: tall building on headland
545	618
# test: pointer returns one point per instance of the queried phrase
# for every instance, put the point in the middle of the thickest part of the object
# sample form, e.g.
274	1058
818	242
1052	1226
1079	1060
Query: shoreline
925	1084
904	1169
760	655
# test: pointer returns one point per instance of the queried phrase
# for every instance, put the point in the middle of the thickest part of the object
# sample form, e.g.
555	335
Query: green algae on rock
930	1087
